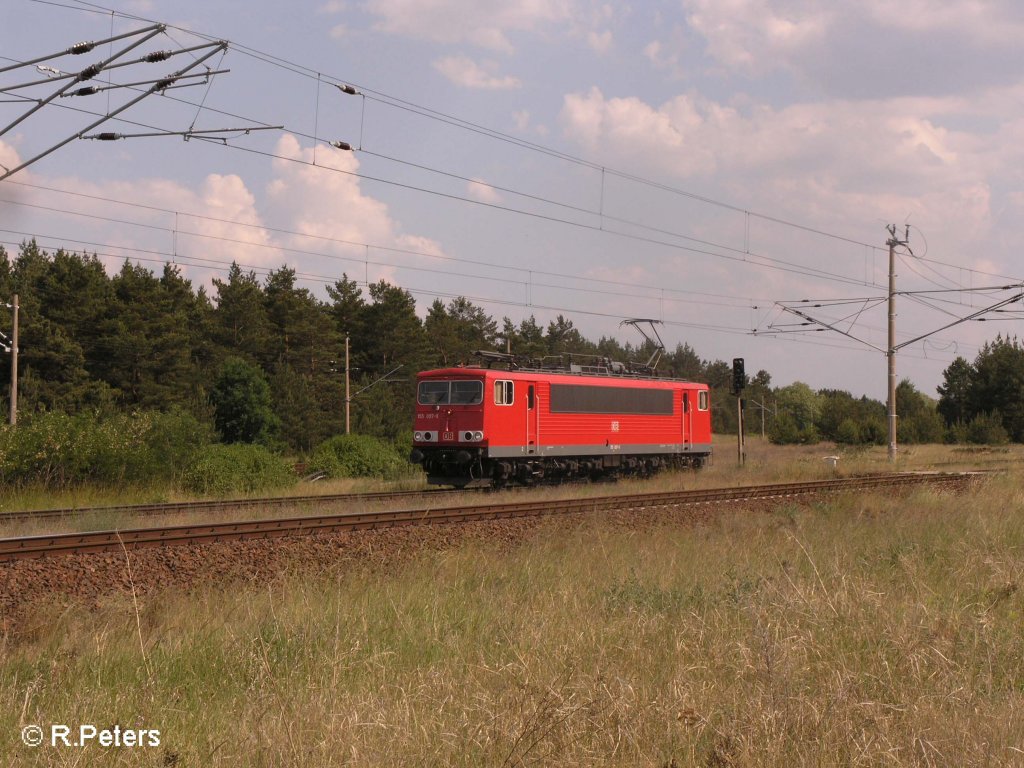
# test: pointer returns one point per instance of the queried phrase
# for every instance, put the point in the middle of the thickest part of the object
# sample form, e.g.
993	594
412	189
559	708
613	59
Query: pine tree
562	337
441	334
144	343
530	340
456	331
955	392
194	312
684	363
998	384
240	324
305	348
52	363
395	334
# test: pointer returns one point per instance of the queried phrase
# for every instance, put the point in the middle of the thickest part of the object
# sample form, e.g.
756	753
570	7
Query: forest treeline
141	341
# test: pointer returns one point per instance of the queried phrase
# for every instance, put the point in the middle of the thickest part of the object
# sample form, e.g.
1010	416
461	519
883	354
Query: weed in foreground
866	630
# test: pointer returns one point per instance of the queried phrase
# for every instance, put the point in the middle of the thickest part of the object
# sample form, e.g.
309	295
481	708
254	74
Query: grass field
764	463
862	630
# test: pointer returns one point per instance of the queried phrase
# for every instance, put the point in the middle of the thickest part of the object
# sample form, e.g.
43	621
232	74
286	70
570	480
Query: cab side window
504	392
702	401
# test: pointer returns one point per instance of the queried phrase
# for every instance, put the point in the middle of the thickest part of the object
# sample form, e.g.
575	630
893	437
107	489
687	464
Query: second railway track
158	509
50	545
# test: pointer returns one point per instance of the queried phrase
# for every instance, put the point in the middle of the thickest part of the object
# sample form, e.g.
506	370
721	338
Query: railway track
166	536
172	507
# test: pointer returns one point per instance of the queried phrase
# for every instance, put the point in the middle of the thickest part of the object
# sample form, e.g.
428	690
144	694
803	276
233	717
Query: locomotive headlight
478	436
417	436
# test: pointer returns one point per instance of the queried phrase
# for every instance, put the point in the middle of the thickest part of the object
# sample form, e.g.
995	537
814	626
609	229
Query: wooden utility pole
14	363
348	397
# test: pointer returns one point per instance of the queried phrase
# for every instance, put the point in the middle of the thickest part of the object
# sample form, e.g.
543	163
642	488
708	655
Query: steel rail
116	540
214	505
217	505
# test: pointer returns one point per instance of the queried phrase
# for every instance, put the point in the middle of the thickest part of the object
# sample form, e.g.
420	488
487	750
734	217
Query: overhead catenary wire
313	74
338	241
164	258
755	258
733	254
430	292
801	269
156	256
528	303
357	261
766	261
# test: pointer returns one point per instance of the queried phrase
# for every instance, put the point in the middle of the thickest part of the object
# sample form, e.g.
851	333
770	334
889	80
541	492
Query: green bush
173	441
242	404
987	429
926	426
785	431
848	432
957	433
237	468
358	456
56	450
874	431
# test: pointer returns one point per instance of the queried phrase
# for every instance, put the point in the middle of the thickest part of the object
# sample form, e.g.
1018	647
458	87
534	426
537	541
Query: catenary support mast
892	242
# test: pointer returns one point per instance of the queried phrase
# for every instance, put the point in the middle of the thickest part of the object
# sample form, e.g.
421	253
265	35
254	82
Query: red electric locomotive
485	426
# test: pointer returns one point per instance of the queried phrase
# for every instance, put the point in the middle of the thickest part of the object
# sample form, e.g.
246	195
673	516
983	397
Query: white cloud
493	24
748	34
601	42
481	190
521	119
141	6
467	73
868	49
323	204
995	21
653	52
485	24
836	163
663	58
8	156
523	122
692	135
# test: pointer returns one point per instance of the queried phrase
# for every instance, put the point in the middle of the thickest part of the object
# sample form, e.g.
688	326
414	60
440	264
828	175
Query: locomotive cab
448	434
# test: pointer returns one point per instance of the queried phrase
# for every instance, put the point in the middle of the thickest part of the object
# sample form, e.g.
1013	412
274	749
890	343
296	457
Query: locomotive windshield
450	392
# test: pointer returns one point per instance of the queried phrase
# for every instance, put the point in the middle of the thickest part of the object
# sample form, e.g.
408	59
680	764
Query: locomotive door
532	418
687	422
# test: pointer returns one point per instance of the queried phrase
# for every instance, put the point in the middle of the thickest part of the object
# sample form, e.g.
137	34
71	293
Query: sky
701	162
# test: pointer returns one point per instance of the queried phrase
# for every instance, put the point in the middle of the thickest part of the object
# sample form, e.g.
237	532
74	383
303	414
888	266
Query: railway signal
739	378
739	382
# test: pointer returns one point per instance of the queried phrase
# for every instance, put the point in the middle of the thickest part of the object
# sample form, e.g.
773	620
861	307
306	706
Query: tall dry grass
865	630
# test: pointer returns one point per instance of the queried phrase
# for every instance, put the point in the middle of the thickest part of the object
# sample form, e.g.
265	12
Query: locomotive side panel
617	418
